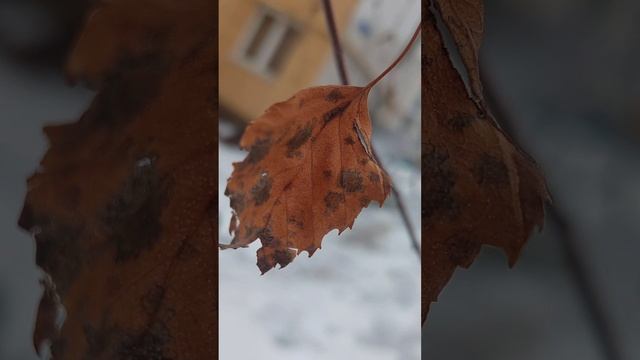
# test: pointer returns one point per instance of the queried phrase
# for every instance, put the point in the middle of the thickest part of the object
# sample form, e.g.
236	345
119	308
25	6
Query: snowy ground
356	298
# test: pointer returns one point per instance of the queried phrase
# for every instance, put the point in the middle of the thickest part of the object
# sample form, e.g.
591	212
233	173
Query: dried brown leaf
123	206
478	187
310	169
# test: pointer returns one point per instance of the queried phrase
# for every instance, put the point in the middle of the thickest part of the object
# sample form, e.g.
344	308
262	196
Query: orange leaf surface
123	206
310	169
478	187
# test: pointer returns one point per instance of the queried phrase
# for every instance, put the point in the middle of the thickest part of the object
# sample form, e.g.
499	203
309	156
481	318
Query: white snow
357	298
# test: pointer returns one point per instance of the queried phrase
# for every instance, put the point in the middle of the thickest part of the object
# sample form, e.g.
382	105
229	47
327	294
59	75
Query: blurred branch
597	315
335	42
342	72
361	64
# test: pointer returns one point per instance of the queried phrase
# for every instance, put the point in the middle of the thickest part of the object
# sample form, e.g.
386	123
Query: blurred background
359	296
34	38
565	74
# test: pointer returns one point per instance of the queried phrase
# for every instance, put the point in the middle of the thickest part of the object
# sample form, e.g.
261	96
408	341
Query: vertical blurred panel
565	72
358	296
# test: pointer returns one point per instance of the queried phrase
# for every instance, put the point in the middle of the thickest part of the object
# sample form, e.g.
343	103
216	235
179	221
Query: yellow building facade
270	49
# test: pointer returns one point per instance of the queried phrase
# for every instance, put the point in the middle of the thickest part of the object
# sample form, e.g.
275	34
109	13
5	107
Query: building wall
246	93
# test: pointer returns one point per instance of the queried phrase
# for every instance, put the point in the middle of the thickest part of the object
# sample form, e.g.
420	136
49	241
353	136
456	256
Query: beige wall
246	93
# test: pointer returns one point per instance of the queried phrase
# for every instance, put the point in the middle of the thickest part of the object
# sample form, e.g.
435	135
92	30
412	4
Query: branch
335	42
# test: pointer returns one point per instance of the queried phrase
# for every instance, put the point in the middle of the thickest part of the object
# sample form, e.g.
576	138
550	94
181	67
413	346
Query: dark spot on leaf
149	344
364	202
270	255
265	260
258	151
351	181
334	95
460	122
112	342
284	257
262	190
132	218
298	223
266	237
327	174
333	200
273	252
121	98
438	181
335	112
373	177
299	139
363	162
349	140
491	171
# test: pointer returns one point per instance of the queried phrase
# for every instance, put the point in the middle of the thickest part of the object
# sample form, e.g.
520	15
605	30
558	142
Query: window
270	40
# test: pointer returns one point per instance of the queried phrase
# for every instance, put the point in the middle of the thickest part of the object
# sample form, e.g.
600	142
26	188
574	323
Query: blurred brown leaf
123	205
478	187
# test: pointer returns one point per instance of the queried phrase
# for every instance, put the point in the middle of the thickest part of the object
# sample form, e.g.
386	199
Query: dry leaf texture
478	187
123	206
310	169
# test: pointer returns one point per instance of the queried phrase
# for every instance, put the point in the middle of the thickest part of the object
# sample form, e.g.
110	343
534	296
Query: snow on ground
357	298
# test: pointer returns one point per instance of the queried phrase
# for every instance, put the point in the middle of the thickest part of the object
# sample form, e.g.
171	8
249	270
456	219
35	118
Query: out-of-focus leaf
478	187
123	206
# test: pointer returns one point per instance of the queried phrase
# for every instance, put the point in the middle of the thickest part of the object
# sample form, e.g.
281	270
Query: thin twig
405	219
337	49
600	322
404	52
342	72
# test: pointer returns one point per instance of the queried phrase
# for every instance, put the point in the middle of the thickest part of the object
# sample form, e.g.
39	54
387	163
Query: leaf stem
397	60
337	50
